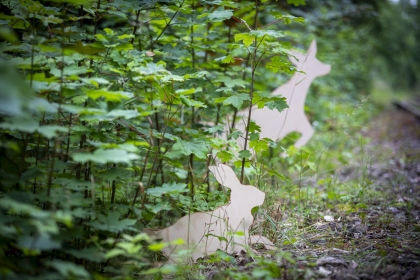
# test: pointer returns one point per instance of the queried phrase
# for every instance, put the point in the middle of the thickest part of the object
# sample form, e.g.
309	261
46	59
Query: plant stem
251	92
81	15
135	26
235	112
113	190
56	138
98	6
167	25
68	140
190	177
158	140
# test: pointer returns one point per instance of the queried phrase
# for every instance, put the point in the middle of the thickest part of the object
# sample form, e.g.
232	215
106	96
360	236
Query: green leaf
71	70
270	101
7	33
268	33
245	154
236	134
202	15
89	49
112	223
108	95
272	172
226	59
311	165
69	270
259	145
277	64
42	242
247	38
124	47
289	19
21	208
126	114
220	238
125	36
216	128
82	110
254	127
187	91
105	156
224	156
114	253
91	254
196	75
236	100
255	210
109	31
130	247
191	102
95	81
14	92
31	126
51	131
221	15
296	2
254	136
168	188
278	103
229	82
157	207
20	124
156	247
196	146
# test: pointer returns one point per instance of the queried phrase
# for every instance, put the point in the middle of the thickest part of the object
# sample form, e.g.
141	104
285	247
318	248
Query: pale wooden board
276	125
200	231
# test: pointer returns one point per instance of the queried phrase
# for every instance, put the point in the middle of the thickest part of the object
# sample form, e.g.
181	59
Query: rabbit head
225	175
244	193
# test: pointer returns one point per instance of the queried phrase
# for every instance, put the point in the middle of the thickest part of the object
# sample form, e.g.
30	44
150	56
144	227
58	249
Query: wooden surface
276	125
226	228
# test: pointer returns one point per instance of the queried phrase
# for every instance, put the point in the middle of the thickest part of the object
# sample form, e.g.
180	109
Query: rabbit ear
312	49
297	58
225	175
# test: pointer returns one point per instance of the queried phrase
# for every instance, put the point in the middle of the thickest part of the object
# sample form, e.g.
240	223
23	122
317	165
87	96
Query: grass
372	200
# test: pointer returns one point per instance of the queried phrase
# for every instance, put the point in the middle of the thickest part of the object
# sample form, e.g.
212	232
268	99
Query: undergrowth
109	112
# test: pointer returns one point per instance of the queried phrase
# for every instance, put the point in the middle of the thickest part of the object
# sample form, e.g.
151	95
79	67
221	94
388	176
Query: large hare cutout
276	125
205	232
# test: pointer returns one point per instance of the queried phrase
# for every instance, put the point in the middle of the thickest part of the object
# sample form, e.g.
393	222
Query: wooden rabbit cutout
276	125
206	232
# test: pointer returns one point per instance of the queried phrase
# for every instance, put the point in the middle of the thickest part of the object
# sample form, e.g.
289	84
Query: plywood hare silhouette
205	232
276	125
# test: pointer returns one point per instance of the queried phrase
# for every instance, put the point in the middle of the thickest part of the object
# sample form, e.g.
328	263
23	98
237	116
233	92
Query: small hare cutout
276	125
226	228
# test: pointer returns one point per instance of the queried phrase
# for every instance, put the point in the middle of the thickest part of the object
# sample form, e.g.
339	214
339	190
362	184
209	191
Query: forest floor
378	239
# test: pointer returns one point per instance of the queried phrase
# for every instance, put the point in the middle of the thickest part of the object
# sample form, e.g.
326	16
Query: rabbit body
205	232
276	125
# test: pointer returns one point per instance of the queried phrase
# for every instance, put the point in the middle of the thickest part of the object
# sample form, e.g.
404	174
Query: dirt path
382	239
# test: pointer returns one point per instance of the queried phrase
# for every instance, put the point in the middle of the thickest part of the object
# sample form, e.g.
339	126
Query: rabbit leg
307	132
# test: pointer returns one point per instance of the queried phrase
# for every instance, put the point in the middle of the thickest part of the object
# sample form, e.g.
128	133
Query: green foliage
296	2
107	116
399	59
100	105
